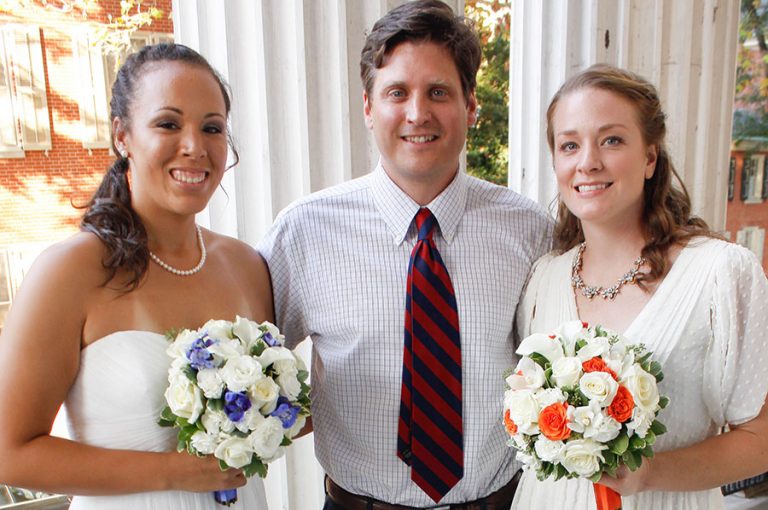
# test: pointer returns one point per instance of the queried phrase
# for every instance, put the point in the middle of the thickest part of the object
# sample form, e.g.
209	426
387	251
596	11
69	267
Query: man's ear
472	109
367	110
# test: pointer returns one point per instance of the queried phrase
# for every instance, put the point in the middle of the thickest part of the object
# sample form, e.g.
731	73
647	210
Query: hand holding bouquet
235	392
581	402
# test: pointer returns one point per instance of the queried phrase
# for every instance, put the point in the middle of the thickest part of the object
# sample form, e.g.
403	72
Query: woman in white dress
87	325
699	303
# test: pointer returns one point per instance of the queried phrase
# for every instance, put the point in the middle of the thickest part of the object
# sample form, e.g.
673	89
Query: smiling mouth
592	187
188	177
420	138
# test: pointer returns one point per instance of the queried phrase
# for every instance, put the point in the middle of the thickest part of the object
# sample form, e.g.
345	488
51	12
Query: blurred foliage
487	141
750	118
113	38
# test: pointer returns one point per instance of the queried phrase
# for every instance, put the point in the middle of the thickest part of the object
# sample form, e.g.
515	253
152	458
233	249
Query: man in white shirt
339	261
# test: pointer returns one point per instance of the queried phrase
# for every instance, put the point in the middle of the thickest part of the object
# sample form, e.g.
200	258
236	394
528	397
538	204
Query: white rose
599	386
290	386
548	347
235	451
529	461
641	421
643	388
216	421
264	394
528	375
274	354
583	456
203	443
548	450
218	329
595	347
184	398
566	371
241	372
210	382
250	421
180	346
266	438
523	410
549	396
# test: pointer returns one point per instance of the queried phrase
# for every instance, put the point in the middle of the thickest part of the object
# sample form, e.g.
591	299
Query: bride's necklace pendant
590	291
184	272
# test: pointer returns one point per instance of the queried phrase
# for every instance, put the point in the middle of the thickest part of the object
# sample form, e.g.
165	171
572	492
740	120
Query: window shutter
731	178
32	105
765	177
745	164
94	112
10	145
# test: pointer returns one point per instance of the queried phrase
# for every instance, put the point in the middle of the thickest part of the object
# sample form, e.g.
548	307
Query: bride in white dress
87	326
701	304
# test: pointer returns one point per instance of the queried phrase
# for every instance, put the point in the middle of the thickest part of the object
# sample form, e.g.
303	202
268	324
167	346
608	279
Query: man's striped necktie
430	431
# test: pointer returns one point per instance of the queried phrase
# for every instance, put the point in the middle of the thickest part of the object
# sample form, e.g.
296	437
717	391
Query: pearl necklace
187	272
590	291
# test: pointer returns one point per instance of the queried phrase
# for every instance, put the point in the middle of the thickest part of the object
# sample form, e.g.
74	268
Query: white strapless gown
115	403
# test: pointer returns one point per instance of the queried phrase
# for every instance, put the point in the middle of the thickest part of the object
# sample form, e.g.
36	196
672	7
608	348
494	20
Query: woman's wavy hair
666	217
109	213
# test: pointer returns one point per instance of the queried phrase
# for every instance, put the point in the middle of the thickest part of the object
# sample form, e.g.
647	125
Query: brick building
747	212
54	126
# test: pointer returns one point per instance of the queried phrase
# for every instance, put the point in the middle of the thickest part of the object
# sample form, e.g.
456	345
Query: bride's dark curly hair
667	217
109	213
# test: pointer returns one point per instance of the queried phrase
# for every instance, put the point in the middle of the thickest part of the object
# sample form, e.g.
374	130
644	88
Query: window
752	238
99	70
731	178
753	180
24	124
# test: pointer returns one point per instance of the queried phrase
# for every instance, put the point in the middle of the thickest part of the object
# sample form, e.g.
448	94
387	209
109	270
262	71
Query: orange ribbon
607	499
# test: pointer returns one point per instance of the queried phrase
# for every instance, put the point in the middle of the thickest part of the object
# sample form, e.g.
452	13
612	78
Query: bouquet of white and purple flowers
235	392
582	401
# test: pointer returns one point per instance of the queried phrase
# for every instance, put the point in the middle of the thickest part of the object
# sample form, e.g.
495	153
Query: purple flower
270	340
286	412
235	405
198	354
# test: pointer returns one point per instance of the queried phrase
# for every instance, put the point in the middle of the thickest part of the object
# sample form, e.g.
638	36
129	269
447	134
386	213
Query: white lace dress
706	324
115	403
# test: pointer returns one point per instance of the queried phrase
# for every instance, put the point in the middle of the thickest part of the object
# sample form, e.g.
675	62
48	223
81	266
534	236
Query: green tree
487	141
750	118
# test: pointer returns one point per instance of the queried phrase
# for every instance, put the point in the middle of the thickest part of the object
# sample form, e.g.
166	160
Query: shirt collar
398	209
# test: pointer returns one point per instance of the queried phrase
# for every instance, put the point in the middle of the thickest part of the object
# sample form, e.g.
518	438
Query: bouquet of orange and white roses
582	401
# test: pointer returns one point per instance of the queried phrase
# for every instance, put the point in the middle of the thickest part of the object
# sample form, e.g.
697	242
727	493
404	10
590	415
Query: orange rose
597	364
553	422
510	425
622	405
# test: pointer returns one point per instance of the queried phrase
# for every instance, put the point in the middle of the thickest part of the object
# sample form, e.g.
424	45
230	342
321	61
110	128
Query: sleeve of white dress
281	249
526	309
738	359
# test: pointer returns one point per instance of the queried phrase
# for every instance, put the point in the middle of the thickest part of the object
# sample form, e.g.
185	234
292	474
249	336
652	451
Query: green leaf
539	359
663	402
648	452
637	442
650	438
259	348
256	467
658	428
619	445
655	368
216	404
630	460
596	477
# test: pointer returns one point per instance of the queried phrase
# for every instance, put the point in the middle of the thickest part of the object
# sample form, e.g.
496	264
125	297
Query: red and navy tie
430	431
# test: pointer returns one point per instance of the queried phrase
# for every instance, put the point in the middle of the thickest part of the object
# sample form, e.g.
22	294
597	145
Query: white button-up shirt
338	260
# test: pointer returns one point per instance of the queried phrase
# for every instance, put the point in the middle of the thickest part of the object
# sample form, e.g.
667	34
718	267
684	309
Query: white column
687	48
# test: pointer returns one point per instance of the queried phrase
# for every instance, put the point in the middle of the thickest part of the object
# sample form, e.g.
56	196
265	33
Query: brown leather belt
499	500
